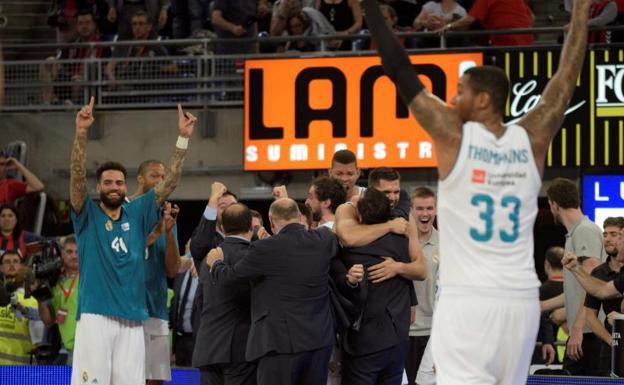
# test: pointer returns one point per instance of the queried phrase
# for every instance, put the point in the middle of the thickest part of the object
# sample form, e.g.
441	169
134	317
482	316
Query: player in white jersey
486	320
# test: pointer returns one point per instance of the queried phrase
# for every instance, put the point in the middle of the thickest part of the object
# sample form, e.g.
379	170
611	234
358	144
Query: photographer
61	309
20	327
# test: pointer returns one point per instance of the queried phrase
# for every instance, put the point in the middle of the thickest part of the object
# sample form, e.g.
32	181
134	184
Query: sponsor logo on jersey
478	176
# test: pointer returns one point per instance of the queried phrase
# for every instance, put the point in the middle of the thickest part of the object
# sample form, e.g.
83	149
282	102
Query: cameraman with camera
20	327
61	308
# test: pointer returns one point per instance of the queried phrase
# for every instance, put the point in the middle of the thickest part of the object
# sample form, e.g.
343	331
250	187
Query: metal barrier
153	81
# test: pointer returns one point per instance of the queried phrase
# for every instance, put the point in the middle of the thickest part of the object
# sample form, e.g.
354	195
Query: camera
46	265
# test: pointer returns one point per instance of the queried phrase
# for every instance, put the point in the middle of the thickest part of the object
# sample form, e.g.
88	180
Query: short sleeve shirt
11	189
603	273
504	14
111	258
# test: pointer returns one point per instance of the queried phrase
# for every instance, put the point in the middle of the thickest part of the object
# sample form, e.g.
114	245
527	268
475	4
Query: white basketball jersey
486	211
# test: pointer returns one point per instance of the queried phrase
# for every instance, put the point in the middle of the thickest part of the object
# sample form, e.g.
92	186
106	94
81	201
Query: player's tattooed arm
186	124
78	169
543	121
440	121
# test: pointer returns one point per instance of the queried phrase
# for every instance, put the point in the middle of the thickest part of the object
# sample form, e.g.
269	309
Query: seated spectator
391	18
308	22
123	12
12	237
189	18
64	17
499	14
344	15
434	16
406	11
142	30
601	13
12	189
20	330
73	72
61	310
235	19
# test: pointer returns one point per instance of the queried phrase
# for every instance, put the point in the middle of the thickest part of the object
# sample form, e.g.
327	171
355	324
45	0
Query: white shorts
157	350
108	351
484	336
426	370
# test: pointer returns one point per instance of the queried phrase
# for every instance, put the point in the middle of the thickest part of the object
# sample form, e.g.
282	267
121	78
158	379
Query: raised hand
569	261
280	192
186	122
170	214
84	118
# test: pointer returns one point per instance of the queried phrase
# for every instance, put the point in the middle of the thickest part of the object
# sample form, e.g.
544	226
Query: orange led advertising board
298	112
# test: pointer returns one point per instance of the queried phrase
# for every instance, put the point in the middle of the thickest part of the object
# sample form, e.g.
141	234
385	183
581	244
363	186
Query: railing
201	79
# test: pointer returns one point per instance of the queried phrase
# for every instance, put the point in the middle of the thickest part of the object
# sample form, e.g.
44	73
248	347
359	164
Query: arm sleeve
479	10
607	16
251	265
393	57
587	242
203	239
618	282
546	333
591	301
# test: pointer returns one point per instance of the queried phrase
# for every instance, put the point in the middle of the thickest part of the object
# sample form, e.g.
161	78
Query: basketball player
486	321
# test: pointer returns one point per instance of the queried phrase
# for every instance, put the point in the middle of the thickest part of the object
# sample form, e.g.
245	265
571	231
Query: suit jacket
204	238
175	307
225	315
385	318
290	305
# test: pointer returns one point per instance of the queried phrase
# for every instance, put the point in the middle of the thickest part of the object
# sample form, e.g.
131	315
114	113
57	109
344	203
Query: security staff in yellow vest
17	331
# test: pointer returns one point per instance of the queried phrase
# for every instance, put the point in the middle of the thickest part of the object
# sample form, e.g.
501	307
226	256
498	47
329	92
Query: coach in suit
225	317
292	327
374	352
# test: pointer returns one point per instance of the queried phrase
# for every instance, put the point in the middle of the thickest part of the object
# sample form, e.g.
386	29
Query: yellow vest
561	337
15	345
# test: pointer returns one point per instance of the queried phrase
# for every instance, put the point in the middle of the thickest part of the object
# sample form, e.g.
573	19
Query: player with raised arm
490	176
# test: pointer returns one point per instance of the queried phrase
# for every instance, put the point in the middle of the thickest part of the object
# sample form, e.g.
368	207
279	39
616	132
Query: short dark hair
146	164
69	239
85	12
256	214
385	173
305	211
236	219
423	192
565	193
344	157
554	255
614	222
284	209
228	192
374	207
106	166
11	252
142	13
493	81
330	188
18	227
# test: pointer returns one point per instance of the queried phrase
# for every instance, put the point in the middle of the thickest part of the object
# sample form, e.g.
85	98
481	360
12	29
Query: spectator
20	330
406	11
189	17
498	14
61	310
584	239
142	30
606	272
13	237
235	19
11	189
391	18
73	72
344	15
125	10
308	22
551	288
601	13
64	17
434	16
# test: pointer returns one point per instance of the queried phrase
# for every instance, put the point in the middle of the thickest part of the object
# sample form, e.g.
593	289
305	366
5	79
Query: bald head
284	209
236	219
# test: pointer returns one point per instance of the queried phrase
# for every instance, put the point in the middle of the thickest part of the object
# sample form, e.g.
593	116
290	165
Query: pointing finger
91	102
180	112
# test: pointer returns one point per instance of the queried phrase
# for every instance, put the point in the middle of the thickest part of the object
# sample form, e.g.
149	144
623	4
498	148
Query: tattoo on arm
78	176
166	187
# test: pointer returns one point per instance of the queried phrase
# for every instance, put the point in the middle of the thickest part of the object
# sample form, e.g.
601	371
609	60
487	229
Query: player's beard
112	203
317	215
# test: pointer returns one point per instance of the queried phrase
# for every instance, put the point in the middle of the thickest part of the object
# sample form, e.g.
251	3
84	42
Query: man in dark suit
180	317
225	317
374	351
292	328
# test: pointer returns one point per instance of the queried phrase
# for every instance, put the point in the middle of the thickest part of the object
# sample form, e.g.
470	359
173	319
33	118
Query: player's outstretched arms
78	169
440	121
186	124
544	121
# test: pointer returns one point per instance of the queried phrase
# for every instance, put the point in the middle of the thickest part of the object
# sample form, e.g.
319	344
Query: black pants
604	366
379	368
415	354
183	349
306	368
588	364
229	374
